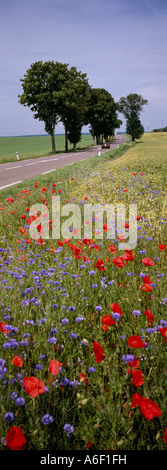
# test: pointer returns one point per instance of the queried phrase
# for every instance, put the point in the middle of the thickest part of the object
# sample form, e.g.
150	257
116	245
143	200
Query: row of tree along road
54	92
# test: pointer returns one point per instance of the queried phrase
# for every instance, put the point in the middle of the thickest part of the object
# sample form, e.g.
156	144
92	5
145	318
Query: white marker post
17	156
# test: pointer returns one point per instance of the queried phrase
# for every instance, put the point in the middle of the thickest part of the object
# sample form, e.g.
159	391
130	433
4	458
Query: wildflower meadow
83	330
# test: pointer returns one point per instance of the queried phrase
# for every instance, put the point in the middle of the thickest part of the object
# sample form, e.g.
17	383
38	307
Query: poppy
137	377
100	265
149	315
112	249
165	435
17	361
54	367
2	327
106	321
89	444
162	247
116	309
105	227
128	255
163	332
33	386
83	377
99	352
135	341
134	364
147	288
147	262
118	261
9	199
15	439
148	408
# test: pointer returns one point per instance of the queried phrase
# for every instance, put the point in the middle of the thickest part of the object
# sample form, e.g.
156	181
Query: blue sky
121	45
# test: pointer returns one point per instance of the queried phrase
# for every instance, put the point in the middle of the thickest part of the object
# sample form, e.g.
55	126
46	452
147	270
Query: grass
53	301
35	146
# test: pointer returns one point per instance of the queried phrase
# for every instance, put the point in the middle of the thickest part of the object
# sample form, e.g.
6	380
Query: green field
35	146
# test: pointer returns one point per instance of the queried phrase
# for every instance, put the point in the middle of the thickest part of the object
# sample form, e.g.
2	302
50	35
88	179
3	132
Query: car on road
105	145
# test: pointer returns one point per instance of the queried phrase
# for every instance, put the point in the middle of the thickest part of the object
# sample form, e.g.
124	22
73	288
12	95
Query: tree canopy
131	106
102	114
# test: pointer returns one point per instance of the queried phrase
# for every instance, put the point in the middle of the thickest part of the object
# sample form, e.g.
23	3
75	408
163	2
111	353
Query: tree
102	114
131	107
134	128
42	92
75	102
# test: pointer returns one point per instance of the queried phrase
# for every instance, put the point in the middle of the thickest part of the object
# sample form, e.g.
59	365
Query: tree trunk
66	140
53	142
74	146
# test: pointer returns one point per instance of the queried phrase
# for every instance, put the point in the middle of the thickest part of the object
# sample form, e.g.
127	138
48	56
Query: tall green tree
102	114
42	93
75	102
131	106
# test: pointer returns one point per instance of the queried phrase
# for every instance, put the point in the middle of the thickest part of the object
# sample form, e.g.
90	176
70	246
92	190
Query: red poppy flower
112	249
148	408
146	280
163	332
89	444
17	361
106	321
99	352
135	341
147	262
9	199
137	378
2	327
118	261
54	367
100	265
33	386
105	227
149	315
15	439
147	288
162	247
83	377
116	309
128	255
134	364
165	435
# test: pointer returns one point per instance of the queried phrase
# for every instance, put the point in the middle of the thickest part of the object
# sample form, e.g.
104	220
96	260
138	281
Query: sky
120	44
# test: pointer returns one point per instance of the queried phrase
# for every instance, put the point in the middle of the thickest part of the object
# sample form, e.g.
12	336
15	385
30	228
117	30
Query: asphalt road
22	170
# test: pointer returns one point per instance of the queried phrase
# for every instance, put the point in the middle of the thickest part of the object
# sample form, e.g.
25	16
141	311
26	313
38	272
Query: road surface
22	170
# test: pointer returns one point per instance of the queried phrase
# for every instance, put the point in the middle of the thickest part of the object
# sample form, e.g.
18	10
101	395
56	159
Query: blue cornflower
71	308
68	429
98	308
39	367
137	312
12	396
78	319
128	358
73	335
47	419
9	416
92	369
20	401
52	340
